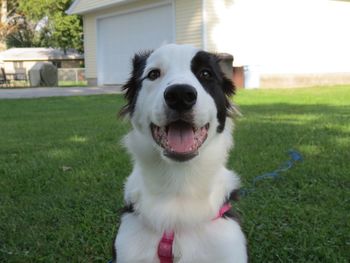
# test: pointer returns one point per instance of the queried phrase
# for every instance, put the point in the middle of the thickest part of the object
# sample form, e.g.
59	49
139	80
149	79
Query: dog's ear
133	85
227	86
227	83
229	90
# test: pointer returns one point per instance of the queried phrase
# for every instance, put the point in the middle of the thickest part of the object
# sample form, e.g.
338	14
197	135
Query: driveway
57	92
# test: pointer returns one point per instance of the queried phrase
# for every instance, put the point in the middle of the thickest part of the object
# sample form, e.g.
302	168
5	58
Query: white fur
179	196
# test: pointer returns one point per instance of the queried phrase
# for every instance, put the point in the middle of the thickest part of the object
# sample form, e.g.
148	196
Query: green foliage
62	169
37	9
58	29
44	23
67	32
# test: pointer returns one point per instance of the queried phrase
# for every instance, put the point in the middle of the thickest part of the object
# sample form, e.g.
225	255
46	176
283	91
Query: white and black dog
178	194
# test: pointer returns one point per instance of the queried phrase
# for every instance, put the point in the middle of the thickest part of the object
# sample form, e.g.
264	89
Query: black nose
180	97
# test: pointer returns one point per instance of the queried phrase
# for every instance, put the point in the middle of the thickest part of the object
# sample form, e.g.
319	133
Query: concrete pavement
57	92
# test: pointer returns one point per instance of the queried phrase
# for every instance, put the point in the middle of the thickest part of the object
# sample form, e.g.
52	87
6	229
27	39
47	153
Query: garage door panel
119	37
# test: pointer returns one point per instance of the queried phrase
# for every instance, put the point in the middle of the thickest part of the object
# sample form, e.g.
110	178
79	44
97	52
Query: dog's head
178	97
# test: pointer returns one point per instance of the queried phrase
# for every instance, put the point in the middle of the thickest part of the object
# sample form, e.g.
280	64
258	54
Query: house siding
189	22
90	46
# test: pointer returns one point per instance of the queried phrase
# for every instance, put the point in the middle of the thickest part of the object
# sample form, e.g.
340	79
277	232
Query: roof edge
72	9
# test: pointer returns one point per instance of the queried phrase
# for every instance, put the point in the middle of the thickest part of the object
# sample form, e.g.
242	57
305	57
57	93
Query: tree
58	29
20	33
41	23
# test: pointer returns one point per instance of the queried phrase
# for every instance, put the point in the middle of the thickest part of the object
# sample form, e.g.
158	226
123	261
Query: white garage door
121	36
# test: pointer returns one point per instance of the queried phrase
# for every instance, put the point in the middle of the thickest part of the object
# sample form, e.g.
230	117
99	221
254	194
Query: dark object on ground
43	75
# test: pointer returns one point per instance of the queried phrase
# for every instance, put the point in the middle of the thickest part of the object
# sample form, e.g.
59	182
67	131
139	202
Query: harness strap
165	246
224	209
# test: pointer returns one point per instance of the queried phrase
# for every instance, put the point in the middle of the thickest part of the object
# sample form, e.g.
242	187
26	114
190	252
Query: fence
71	74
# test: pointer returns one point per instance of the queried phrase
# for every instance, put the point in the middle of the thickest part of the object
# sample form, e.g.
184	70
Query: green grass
62	171
304	216
65	83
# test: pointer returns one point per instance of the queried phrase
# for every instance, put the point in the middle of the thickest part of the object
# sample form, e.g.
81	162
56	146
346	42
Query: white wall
286	36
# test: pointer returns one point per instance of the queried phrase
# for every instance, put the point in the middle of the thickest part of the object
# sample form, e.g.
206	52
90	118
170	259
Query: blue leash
295	156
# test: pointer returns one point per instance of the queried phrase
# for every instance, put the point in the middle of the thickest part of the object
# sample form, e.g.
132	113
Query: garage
119	36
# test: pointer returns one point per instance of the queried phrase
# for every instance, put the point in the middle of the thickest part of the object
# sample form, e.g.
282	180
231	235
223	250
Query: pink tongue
180	137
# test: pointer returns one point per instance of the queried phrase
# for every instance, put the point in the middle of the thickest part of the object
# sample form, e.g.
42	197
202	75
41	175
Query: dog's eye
205	74
153	74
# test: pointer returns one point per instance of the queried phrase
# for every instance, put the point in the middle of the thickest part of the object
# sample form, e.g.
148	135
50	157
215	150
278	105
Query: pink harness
165	246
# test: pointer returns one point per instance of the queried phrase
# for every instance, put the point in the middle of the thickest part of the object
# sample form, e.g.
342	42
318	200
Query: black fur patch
218	86
234	195
129	208
232	214
133	85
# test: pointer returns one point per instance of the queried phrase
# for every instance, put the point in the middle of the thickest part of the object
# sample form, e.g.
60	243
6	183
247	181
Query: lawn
62	170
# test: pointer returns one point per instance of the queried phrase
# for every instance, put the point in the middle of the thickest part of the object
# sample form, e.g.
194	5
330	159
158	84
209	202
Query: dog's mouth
180	140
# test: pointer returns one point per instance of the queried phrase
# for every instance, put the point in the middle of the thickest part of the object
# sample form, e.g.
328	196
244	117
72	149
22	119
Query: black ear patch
219	87
133	85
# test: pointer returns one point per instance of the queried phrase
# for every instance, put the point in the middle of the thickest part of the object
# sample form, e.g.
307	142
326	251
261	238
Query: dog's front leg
135	243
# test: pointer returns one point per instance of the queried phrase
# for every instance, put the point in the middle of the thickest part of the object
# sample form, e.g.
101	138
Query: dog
177	197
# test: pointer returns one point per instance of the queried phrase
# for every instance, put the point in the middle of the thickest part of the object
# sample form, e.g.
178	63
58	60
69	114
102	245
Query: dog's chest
215	241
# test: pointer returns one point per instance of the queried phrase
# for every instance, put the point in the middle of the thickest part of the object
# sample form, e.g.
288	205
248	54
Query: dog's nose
180	97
